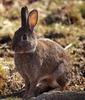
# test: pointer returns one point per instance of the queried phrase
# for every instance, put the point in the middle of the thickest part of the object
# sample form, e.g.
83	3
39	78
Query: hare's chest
27	65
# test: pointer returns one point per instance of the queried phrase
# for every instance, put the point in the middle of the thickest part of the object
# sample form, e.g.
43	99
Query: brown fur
47	60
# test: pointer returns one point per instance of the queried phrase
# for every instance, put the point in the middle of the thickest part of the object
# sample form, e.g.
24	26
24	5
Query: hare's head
24	40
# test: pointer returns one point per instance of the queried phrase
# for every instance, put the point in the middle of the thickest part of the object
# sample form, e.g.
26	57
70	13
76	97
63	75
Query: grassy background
60	20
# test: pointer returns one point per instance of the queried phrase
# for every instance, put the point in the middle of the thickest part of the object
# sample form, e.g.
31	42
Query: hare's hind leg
62	74
46	84
63	81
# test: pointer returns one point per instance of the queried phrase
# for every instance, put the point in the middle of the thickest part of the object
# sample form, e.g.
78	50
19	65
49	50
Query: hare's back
52	53
50	46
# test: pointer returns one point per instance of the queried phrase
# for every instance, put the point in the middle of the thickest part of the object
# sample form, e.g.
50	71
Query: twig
68	46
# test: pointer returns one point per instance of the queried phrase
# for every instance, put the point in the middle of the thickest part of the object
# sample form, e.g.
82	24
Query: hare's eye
24	37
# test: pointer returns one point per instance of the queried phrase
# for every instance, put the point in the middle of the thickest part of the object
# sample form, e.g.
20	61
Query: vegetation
60	20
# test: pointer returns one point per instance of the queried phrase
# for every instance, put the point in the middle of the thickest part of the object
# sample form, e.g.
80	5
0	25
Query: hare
38	59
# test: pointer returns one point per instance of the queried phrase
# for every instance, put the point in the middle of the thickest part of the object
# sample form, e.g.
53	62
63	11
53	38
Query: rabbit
38	59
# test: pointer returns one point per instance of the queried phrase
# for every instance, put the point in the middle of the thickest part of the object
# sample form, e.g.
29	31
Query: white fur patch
38	84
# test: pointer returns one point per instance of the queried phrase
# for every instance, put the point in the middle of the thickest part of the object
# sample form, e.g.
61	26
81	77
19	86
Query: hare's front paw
28	97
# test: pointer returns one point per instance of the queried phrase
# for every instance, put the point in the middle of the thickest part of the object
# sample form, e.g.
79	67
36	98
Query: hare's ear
24	16
32	19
